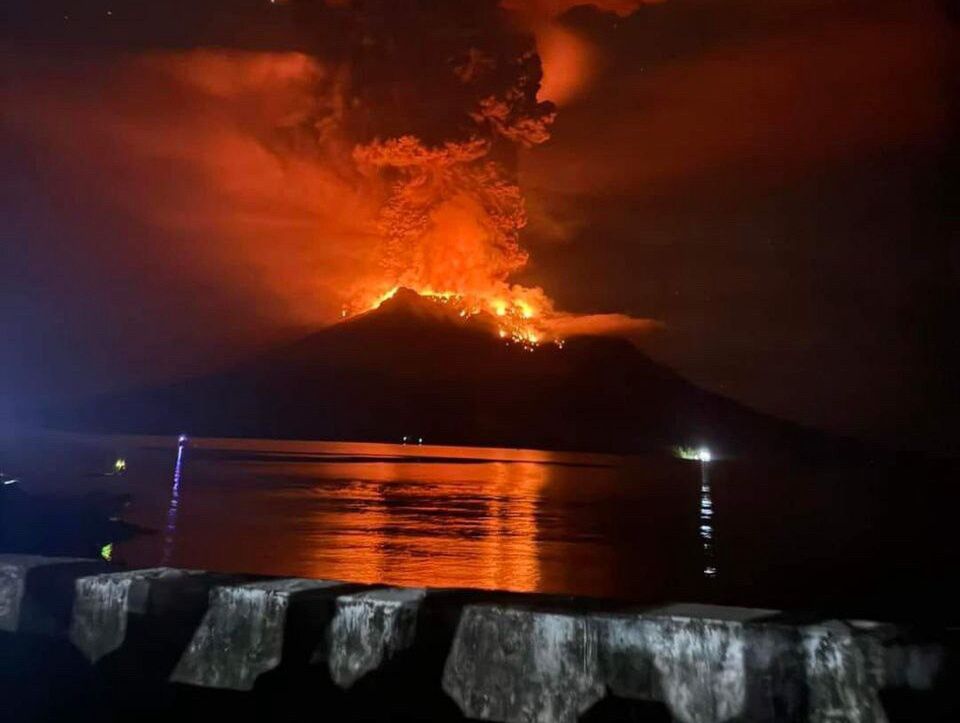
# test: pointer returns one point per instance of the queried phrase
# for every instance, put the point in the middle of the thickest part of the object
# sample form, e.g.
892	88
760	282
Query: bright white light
182	439
10	481
697	454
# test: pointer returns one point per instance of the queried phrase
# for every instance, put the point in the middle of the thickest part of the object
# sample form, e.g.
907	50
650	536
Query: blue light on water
170	530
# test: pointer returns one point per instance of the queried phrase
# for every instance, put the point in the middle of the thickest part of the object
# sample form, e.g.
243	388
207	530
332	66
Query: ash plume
453	210
383	151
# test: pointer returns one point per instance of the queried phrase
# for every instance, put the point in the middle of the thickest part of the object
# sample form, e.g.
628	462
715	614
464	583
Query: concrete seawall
165	641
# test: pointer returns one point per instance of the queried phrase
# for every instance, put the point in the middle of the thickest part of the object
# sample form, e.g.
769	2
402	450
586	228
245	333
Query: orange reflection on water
452	528
434	516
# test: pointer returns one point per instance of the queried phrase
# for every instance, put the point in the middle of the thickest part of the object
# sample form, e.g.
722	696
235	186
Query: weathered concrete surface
523	665
704	663
914	665
242	633
370	628
104	605
497	656
36	592
845	669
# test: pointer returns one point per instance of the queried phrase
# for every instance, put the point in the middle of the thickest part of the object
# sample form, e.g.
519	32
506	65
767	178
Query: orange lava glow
249	168
452	213
449	228
523	316
518	315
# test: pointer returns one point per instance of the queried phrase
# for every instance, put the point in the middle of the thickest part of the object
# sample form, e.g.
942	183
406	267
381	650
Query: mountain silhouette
415	368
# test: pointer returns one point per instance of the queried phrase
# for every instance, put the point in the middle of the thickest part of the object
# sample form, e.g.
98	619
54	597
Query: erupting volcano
451	222
311	184
451	210
401	153
196	182
452	213
517	319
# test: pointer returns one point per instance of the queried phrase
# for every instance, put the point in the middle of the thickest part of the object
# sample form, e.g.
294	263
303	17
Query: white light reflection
170	530
706	517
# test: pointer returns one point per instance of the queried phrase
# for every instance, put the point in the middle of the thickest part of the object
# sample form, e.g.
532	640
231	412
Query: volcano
417	369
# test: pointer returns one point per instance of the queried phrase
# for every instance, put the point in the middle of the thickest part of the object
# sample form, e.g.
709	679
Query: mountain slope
413	367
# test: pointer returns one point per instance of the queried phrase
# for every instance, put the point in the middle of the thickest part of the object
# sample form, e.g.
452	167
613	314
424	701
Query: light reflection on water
624	526
170	530
361	530
438	516
706	522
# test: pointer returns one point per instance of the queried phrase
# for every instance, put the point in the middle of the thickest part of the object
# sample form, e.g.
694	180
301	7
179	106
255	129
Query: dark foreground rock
151	644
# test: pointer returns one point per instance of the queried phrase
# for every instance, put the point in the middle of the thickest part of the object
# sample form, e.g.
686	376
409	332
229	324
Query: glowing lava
521	314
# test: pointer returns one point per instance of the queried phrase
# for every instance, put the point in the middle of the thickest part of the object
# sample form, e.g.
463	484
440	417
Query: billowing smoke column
444	98
452	219
452	211
302	184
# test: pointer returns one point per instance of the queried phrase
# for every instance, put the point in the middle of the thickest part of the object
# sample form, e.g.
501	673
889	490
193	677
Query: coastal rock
369	628
521	666
242	633
36	593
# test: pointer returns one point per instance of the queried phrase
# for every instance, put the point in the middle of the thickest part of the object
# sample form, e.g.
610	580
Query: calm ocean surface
858	540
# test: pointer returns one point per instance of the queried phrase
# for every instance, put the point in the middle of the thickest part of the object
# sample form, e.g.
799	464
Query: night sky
774	181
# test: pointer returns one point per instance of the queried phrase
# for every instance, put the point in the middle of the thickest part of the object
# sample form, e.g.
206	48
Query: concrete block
167	599
369	628
242	633
704	663
523	666
845	669
36	593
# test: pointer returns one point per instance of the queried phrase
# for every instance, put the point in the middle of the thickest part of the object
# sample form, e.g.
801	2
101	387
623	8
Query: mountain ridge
415	367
